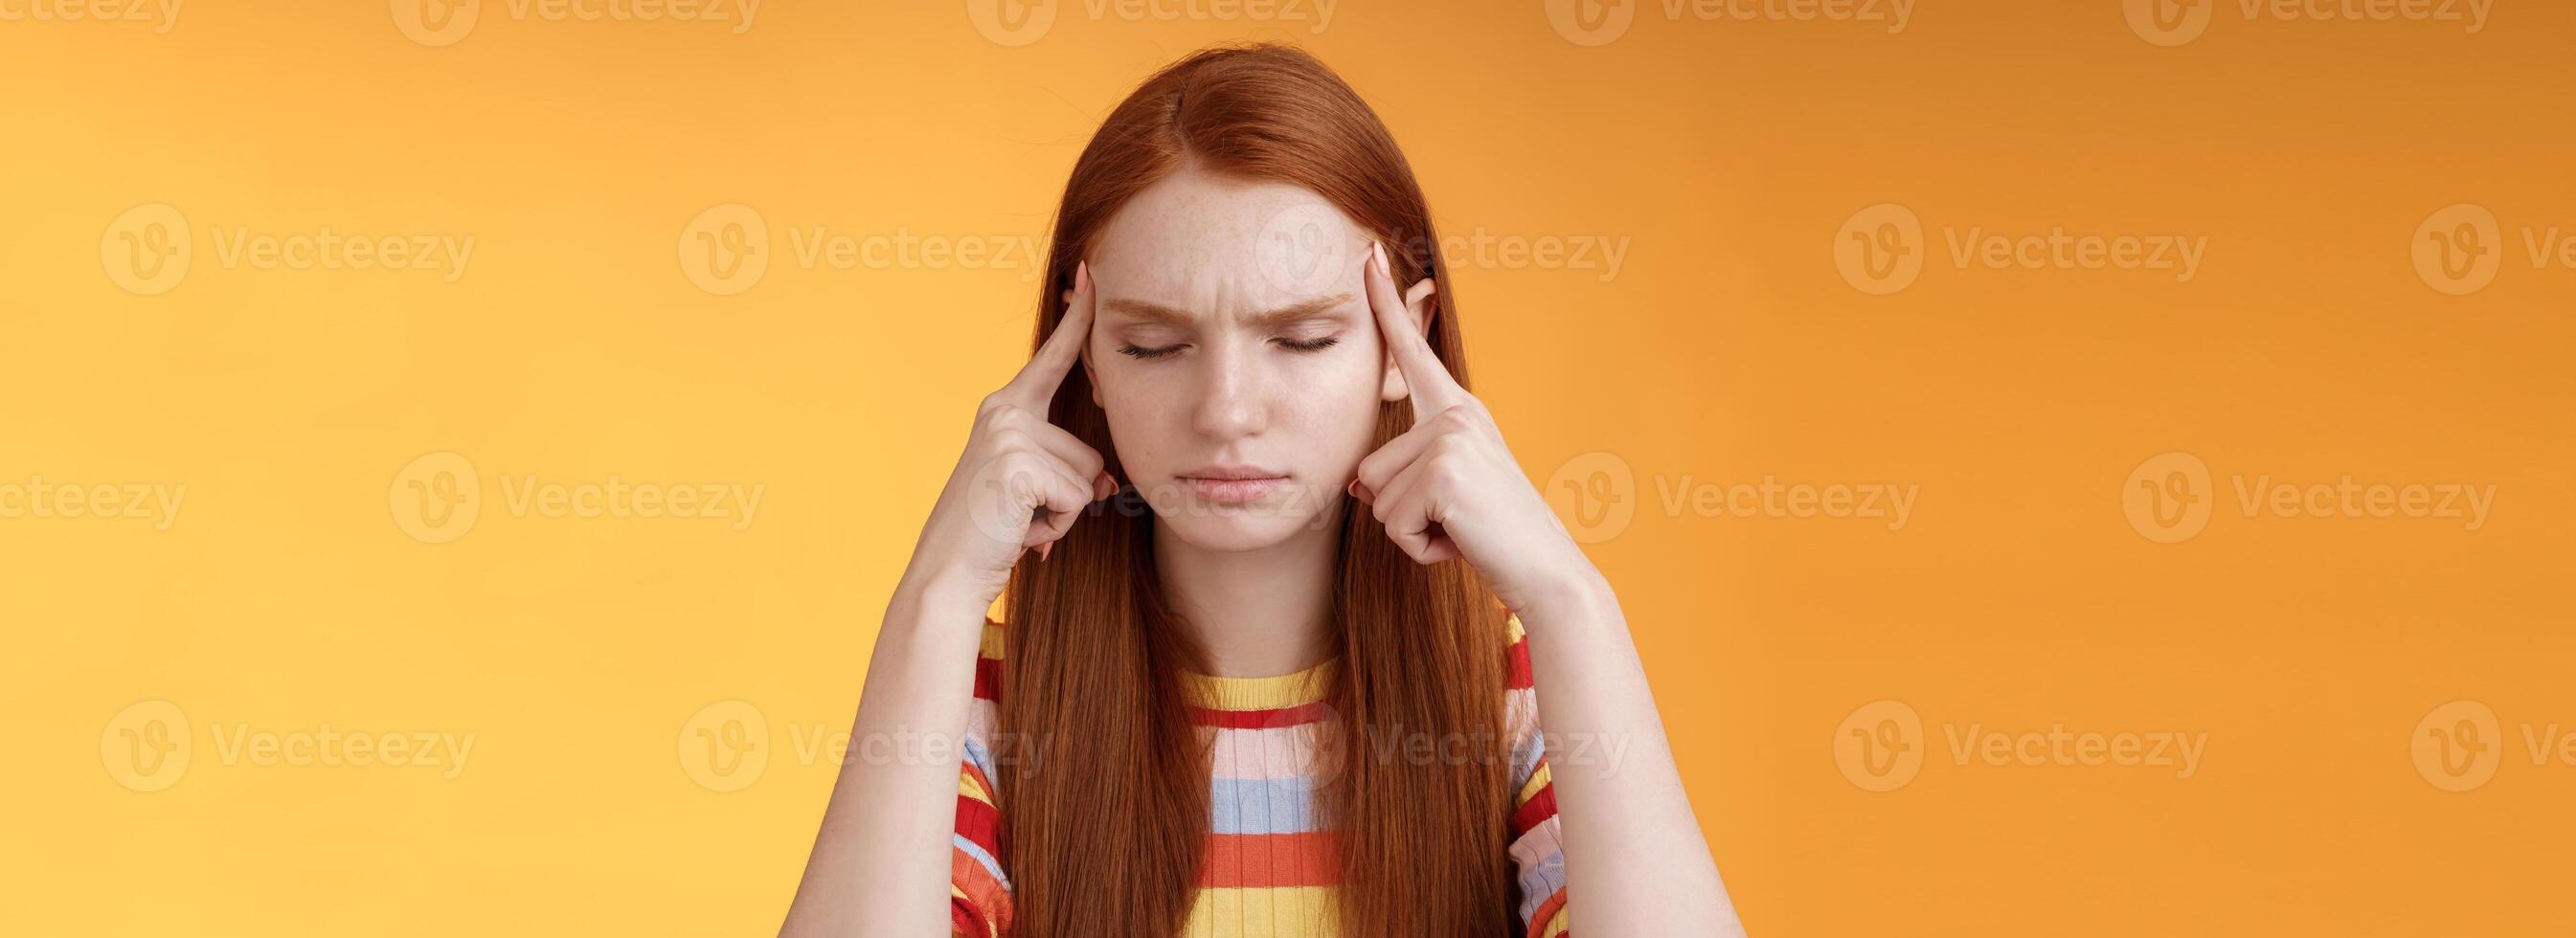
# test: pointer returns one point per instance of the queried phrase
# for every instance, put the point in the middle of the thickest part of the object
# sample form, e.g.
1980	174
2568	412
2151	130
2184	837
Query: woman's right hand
1022	481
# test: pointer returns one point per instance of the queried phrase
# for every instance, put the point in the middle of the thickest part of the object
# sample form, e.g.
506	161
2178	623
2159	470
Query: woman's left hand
1449	487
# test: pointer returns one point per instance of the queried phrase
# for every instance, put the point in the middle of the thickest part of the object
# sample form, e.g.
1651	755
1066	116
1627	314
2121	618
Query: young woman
1274	591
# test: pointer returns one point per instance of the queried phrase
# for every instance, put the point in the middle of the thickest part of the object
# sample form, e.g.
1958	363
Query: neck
1259	613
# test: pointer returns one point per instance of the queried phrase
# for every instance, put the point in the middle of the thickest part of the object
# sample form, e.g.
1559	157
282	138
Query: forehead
1211	243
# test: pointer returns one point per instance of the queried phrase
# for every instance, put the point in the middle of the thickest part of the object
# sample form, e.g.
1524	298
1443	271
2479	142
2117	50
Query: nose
1231	402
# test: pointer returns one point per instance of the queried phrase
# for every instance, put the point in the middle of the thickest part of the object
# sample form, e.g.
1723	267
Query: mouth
1232	485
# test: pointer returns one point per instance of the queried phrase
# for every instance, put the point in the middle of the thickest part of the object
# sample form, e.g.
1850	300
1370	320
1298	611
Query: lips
1232	484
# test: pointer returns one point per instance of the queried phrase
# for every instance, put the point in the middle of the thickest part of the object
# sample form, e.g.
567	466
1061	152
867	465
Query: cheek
1338	399
1143	407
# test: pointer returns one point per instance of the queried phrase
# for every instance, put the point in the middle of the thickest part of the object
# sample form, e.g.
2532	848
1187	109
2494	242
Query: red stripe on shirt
980	824
1541	806
1258	861
988	679
1517	658
1547	910
1259	719
986	907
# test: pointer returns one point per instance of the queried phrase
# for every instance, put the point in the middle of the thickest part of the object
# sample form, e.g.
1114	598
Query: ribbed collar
1258	693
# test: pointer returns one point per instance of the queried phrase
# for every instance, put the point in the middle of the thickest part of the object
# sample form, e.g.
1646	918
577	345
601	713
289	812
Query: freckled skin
1221	250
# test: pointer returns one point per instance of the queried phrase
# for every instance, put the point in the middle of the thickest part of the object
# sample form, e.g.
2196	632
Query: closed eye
1141	353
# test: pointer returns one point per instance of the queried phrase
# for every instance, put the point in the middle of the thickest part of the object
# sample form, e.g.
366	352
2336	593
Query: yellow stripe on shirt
1272	912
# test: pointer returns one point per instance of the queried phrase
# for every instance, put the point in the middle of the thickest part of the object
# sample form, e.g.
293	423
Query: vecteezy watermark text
2170	498
39	497
2176	22
1881	250
1881	746
162	14
1601	22
1596	497
438	498
149	249
2460	745
437	23
151	745
726	746
1021	22
726	249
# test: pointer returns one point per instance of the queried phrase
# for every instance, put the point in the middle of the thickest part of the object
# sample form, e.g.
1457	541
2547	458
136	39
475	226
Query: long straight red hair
1104	835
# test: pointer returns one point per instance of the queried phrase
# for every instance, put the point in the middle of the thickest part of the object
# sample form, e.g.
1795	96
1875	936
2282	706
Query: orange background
290	591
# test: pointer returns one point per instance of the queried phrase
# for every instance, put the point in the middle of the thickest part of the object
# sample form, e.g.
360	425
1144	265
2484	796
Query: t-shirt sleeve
979	893
1538	860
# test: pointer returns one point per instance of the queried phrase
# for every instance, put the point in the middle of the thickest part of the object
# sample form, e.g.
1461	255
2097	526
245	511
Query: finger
1418	292
1078	456
1377	469
1426	380
1018	491
1061	498
1405	509
1035	385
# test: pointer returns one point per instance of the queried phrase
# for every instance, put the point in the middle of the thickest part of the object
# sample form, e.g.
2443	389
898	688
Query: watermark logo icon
1301	249
1879	249
1591	22
2168	498
1879	747
146	250
2168	22
1012	22
1595	495
724	747
2458	249
437	497
725	249
146	747
436	23
2458	745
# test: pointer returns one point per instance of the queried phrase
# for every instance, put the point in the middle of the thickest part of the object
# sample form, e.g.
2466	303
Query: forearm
1635	861
881	861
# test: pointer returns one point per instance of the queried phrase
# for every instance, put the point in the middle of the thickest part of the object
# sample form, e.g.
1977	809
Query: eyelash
1149	354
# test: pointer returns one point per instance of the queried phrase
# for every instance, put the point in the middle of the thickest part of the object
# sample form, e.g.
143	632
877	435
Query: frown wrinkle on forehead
1152	312
1225	249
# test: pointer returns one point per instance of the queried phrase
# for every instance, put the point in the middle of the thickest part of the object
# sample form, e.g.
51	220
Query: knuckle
1445	456
1017	467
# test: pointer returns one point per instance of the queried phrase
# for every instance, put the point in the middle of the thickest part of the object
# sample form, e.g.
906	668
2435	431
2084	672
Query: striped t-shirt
1268	872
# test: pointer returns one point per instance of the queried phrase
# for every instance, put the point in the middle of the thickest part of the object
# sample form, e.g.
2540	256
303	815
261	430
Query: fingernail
1082	277
1355	490
1042	550
1377	256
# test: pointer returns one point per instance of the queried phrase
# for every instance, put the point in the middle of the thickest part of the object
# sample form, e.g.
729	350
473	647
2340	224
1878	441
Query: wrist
1578	588
945	593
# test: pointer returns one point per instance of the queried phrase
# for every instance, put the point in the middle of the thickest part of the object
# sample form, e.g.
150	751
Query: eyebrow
1302	309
